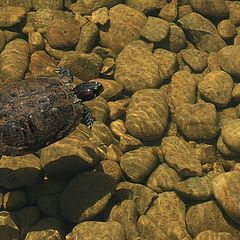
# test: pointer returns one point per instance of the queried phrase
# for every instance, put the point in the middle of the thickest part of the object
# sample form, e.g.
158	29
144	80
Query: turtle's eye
88	91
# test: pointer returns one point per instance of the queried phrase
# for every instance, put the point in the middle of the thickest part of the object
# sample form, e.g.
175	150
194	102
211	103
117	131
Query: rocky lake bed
162	159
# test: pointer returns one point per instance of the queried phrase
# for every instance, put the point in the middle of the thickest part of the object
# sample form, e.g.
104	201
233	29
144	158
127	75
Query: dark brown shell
36	112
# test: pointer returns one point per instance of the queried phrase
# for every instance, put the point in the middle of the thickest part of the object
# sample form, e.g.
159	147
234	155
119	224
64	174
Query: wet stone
14	60
129	143
118	128
68	157
116	110
181	156
167	63
195	59
225	189
197	121
2	40
19	171
230	134
145	6
87	38
183	88
81	204
211	235
52	4
197	221
163	178
137	164
149	229
140	194
14	200
11	15
169	11
227	114
85	66
184	10
198	188
144	122
226	29
86	8
236	93
155	29
234	12
213	61
168	212
97	230
100	16
216	87
136	67
36	41
125	26
127	215
217	8
227	60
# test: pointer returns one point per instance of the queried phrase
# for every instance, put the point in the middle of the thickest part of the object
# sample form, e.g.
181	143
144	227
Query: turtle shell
36	112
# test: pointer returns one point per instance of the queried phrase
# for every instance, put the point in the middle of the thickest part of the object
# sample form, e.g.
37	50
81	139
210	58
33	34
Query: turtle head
88	91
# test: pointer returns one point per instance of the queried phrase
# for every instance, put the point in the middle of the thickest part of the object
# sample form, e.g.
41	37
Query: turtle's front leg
88	118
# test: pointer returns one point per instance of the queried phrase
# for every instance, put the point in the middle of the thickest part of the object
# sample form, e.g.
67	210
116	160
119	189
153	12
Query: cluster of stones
162	159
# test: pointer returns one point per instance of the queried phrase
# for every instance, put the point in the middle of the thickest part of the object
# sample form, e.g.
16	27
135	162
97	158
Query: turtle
38	111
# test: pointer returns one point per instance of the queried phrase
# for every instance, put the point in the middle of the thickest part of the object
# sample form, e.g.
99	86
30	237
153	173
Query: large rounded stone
136	67
197	121
126	24
226	190
216	87
86	196
229	59
147	114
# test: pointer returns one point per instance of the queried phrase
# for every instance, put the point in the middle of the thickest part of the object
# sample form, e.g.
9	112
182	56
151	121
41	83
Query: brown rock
234	12
216	87
125	26
11	15
81	204
226	29
181	156
114	152
197	121
2	40
147	114
97	230
116	110
137	164
118	128
225	189
14	200
211	235
213	62
129	143
52	4
169	11
36	41
197	221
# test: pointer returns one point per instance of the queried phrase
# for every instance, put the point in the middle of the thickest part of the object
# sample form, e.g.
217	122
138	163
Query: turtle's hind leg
88	118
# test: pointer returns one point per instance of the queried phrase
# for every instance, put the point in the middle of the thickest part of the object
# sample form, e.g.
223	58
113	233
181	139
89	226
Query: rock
114	153
210	235
163	178
116	110
8	228
201	32
184	10
136	67
225	189
85	8
14	60
227	60
55	53
87	38
129	143
111	168
27	4
226	29
140	194
197	221
236	93
213	62
125	26
167	63
227	114
2	40
181	156
149	229
183	88
36	41
14	200
41	64
198	188
118	128
217	8
104	52
108	68
195	59
147	114
216	87
169	11
230	134
98	231
206	153
52	4
100	16
68	157
145	6
234	12
19	171
85	66
137	164
62	34
11	15
155	29
168	213
126	214
197	121
81	204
